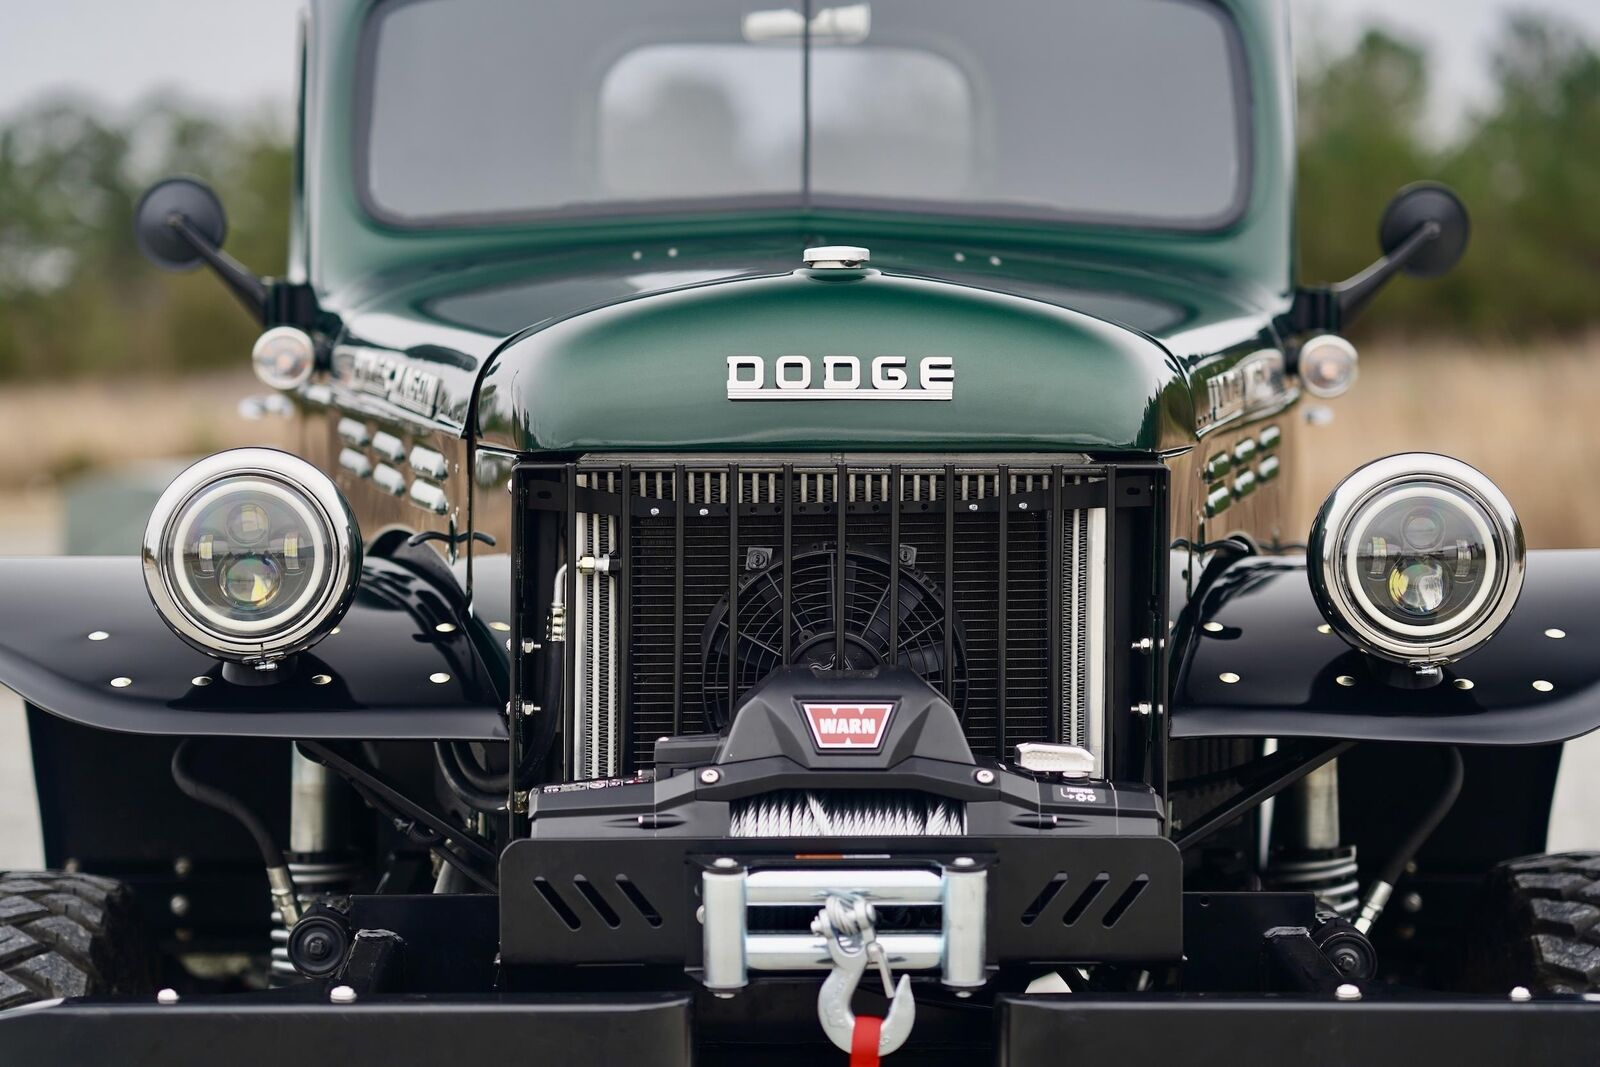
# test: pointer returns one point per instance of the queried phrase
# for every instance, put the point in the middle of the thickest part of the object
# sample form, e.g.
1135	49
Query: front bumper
637	1030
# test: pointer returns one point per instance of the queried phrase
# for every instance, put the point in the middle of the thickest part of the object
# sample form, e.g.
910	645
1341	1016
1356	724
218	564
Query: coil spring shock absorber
318	859
1307	854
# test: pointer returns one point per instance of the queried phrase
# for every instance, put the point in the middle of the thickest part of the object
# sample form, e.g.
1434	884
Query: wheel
1544	923
68	935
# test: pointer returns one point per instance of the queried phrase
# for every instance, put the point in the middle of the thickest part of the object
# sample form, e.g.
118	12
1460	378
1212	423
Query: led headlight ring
252	555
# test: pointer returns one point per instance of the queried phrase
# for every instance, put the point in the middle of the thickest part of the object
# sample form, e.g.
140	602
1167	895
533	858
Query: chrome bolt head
1347	991
167	996
1521	994
983	776
342	994
710	776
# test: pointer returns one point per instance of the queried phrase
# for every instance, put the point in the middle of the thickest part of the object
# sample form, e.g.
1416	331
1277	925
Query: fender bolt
711	776
984	777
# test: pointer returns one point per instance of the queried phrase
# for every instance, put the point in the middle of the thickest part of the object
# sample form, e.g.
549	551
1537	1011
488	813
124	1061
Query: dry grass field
51	431
1529	417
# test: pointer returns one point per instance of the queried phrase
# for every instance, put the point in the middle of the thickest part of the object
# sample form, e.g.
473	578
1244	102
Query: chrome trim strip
1095	732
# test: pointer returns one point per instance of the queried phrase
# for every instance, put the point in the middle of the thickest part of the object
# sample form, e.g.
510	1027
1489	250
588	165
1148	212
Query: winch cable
278	878
1378	894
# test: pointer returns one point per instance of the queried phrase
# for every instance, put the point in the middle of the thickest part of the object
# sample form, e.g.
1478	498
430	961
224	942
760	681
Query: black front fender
391	671
1264	669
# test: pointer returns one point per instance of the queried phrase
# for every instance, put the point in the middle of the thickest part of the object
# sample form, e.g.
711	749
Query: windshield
1131	112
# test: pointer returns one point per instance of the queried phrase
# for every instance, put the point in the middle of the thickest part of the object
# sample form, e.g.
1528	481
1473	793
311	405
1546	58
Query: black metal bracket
1295	963
1260	781
1329	307
248	289
450	539
381	791
374	965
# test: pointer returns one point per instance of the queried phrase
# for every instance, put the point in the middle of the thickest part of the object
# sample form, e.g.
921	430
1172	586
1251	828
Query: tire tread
1550	910
67	935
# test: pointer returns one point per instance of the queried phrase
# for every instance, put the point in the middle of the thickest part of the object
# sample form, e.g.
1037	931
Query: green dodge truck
787	555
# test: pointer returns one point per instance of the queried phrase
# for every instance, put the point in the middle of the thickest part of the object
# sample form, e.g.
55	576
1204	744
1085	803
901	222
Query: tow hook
845	925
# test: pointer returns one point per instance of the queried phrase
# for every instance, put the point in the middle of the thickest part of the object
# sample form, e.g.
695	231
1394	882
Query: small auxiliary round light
1416	559
284	357
1327	366
252	555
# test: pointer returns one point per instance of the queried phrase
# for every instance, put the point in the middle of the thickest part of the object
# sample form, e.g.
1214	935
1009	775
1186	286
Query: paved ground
29	525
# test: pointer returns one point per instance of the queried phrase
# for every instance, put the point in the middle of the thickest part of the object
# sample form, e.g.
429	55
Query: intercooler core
691	580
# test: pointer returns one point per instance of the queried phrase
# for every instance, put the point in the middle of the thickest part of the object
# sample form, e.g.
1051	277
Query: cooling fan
813	578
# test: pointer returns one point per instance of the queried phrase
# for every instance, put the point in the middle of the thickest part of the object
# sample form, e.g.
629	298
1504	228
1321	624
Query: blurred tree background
75	299
75	296
1528	169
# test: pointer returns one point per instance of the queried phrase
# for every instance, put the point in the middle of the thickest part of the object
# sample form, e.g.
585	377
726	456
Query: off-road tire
68	935
1544	923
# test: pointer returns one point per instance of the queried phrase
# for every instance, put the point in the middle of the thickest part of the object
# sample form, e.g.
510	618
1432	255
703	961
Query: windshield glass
1129	112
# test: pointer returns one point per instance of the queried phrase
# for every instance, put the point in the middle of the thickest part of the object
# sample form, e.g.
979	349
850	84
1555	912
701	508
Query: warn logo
854	726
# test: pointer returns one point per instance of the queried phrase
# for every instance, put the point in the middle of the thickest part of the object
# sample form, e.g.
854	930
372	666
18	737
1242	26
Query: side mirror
166	210
1420	206
179	224
1423	233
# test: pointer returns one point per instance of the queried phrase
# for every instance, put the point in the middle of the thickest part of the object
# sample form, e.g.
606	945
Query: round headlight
252	555
1417	559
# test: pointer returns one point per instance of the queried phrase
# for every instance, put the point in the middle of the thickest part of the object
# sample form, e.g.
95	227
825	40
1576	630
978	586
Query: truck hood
653	372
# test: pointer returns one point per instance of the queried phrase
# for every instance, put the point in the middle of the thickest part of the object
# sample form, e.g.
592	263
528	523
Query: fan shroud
813	576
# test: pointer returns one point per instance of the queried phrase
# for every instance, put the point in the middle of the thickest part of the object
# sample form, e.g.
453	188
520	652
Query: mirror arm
1327	308
250	290
1356	293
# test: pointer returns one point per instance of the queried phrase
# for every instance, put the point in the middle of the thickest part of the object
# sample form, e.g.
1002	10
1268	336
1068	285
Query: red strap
864	1041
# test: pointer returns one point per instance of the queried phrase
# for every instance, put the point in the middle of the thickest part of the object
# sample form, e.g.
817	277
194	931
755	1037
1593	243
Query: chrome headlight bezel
1361	495
291	482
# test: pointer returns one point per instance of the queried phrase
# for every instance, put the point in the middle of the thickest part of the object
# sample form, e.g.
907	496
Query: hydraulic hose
490	797
485	790
278	879
1377	897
